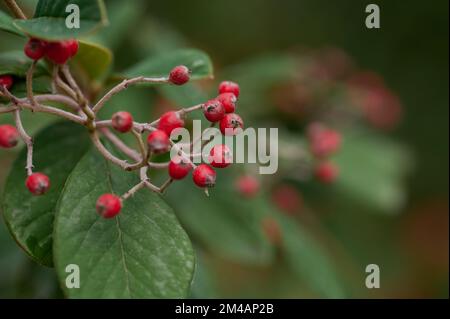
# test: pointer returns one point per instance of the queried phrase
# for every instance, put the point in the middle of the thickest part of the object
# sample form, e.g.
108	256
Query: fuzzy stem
133	190
121	146
29	81
15	9
27	140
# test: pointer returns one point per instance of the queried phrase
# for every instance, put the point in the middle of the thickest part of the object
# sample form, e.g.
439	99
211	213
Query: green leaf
6	24
308	259
49	21
17	64
226	225
160	66
142	253
92	59
372	171
57	149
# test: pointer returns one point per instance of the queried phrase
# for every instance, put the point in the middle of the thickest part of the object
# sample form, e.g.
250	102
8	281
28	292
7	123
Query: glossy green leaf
57	150
49	20
141	253
160	66
229	226
17	64
6	24
92	60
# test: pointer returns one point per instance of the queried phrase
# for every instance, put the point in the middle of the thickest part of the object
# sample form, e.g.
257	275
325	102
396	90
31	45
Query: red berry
179	167
35	49
108	205
228	101
204	176
6	81
9	136
213	110
179	75
220	156
230	124
59	52
323	141
170	121
122	121
158	142
247	186
229	87
287	199
326	172
37	183
73	46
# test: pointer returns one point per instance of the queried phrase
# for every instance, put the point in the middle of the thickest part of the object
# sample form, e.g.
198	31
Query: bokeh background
408	240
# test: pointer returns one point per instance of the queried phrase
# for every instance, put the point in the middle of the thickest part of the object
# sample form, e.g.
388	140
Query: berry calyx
9	136
323	141
179	75
158	142
204	176
220	156
228	101
229	87
170	121
6	81
326	172
247	186
231	123
60	52
37	183
108	205
35	49
179	168
122	121
213	110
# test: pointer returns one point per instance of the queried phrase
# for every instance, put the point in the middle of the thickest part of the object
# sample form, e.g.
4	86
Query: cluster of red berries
37	183
221	109
57	52
324	142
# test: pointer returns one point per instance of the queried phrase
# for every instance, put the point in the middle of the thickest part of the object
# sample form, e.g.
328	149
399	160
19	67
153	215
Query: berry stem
133	190
119	144
15	9
27	140
122	86
29	83
7	109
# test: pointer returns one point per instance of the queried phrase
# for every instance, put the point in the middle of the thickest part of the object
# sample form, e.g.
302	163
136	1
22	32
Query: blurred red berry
228	101
158	142
204	176
323	141
213	110
229	87
272	230
58	52
9	136
287	199
73	46
35	49
170	121
326	172
179	75
179	167
108	205
6	81
247	185
220	156
122	121
230	124
37	183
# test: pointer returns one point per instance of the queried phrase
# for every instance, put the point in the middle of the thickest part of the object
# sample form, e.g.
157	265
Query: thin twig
133	190
7	109
15	9
29	81
122	86
121	146
27	140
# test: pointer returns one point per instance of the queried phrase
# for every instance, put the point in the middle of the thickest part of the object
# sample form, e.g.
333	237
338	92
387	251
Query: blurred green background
410	52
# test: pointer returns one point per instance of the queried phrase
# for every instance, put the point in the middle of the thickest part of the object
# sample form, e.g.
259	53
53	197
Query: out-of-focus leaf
197	61
17	64
203	285
57	150
141	253
93	59
6	24
49	20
